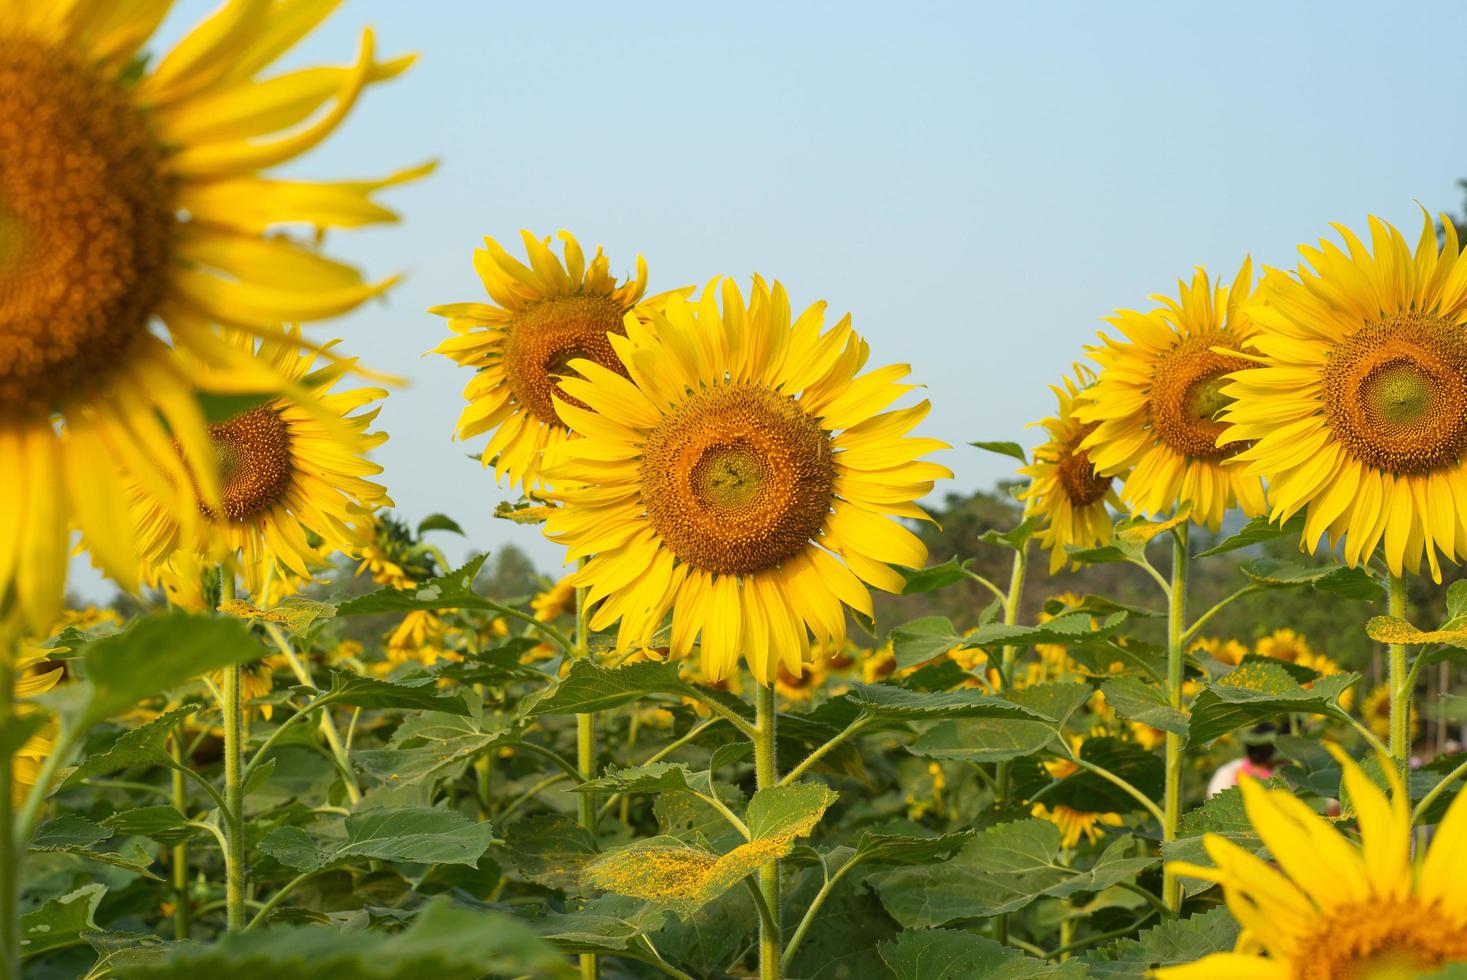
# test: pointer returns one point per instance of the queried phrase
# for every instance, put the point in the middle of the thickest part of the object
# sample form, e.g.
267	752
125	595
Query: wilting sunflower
130	191
544	316
1330	908
1154	409
742	478
1063	485
294	480
1358	413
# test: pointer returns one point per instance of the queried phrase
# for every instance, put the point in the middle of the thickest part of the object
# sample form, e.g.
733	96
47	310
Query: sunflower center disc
254	462
1395	393
547	336
1077	476
1186	395
737	479
1381	940
86	222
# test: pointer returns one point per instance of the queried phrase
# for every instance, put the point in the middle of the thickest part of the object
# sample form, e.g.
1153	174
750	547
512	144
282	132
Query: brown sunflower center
547	336
1381	940
1077	476
86	220
1395	393
255	465
1186	395
737	479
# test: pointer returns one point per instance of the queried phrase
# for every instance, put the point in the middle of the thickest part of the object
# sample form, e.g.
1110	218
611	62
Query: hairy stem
10	848
232	707
182	908
1171	888
1400	679
1006	677
585	750
766	774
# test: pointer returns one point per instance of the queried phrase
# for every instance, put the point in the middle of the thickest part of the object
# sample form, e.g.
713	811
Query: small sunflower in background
1155	408
1375	711
392	558
1064	486
294	474
1284	644
1358	414
1328	907
1229	652
556	601
743	479
33	678
134	194
544	316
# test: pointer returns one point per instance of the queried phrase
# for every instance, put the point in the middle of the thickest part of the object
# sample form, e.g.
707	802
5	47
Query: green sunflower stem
182	908
586	753
766	774
1006	671
10	849
232	707
1171	886
1400	682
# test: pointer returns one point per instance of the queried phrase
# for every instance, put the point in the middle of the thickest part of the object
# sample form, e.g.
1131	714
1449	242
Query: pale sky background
977	183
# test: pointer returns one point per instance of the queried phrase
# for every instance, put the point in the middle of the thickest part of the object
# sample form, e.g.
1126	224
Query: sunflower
1358	412
1376	712
393	558
1074	824
1063	485
32	679
1285	644
1155	406
1229	652
132	192
556	601
544	316
741	478
293	470
1331	908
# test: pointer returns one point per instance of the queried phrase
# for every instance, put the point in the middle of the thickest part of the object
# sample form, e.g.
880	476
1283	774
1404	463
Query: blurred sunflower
1329	908
1229	652
393	558
742	479
294	479
32	679
1358	413
556	601
132	192
544	316
1284	644
1376	713
1063	485
1154	409
420	638
1074	824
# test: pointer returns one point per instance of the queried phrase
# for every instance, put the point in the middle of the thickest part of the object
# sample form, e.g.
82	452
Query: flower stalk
1171	887
231	705
766	775
1401	681
585	752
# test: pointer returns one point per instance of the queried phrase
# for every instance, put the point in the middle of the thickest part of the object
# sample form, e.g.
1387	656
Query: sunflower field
1177	702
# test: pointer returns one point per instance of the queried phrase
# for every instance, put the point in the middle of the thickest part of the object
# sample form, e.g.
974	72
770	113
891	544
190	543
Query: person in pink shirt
1258	760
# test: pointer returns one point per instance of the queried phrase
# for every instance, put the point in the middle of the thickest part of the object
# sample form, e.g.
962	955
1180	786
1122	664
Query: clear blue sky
976	183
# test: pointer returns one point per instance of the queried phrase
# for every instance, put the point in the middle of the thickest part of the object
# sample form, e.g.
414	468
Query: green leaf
1256	531
1088	791
1270	573
706	942
1015	538
789	811
888	702
1135	700
454	590
652	777
443	942
61	921
141	746
981	740
416	834
438	522
19	730
221	407
368	692
1171	943
587	687
678	877
1221	814
921	640
550	850
1352	583
1001	870
946	954
430	747
294	848
845	932
69	830
608	924
1066	629
1003	449
694	821
1257	691
894	847
154	654
935	577
163	824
